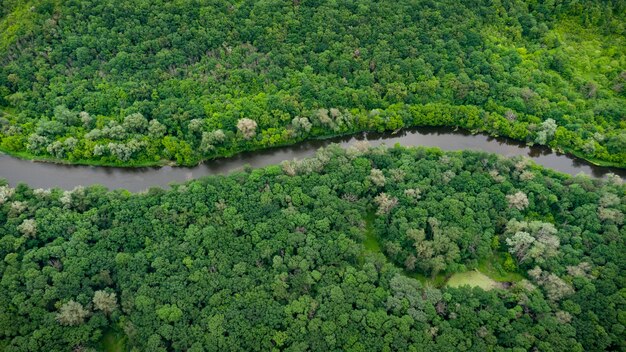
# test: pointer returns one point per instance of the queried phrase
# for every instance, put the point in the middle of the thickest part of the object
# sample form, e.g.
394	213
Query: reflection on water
46	175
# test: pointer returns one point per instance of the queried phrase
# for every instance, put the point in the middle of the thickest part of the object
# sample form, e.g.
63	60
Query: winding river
48	175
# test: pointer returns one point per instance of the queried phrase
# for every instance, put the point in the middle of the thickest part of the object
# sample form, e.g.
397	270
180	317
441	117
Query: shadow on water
47	175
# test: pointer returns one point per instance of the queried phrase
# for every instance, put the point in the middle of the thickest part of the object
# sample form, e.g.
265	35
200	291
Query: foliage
72	313
267	259
119	83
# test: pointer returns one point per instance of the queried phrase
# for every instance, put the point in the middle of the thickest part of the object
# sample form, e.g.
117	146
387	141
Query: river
48	175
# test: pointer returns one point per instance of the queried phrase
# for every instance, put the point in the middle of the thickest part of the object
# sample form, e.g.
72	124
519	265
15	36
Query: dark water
47	175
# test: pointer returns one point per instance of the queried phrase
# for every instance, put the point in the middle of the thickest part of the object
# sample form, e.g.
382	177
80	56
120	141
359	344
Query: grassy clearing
371	241
113	341
488	275
472	278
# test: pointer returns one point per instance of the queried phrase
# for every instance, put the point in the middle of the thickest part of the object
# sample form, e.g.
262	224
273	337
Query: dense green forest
357	249
147	82
277	259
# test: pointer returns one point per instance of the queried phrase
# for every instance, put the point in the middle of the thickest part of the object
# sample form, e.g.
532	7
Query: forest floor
113	341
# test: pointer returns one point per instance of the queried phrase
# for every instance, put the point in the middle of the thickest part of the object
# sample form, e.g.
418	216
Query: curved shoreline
24	155
50	174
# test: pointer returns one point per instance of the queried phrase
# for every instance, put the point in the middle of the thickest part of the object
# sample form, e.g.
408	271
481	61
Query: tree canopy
117	82
276	259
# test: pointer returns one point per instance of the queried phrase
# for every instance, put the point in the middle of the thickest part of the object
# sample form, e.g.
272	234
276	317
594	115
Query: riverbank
167	150
25	155
68	176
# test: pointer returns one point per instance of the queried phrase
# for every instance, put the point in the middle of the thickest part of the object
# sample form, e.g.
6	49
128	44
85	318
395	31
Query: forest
385	248
341	251
114	82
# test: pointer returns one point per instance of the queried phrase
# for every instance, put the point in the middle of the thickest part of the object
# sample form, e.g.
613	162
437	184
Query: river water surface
48	175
